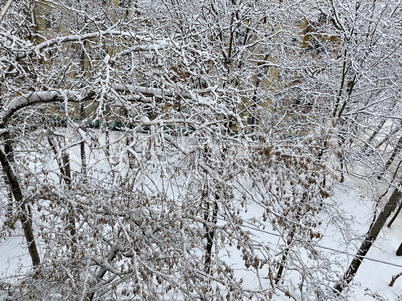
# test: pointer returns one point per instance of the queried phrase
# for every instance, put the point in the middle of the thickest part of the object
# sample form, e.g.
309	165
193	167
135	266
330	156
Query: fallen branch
394	279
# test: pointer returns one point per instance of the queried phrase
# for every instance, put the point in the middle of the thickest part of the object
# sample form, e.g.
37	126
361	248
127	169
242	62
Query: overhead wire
332	249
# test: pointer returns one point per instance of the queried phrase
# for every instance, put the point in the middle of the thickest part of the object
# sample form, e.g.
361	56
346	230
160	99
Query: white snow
351	200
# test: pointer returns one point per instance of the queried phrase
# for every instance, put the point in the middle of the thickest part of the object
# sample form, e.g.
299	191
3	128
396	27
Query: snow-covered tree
201	111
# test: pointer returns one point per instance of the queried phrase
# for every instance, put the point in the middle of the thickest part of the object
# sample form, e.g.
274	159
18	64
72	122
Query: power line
332	249
363	257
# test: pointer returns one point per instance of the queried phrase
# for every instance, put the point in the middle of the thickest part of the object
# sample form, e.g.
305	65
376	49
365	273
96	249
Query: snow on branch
160	93
24	101
146	91
26	48
151	44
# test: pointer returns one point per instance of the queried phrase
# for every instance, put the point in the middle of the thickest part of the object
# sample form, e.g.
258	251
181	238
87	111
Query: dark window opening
316	46
125	3
50	21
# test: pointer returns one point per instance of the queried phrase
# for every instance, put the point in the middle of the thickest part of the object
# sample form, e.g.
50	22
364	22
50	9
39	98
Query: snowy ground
371	282
375	273
353	200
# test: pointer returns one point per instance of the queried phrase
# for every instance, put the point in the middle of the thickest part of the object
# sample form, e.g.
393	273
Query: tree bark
394	279
374	134
396	151
8	150
82	144
369	240
399	251
210	232
284	258
395	216
67	179
65	172
24	214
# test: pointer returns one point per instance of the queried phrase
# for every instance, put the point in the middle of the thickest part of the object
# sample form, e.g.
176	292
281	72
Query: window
125	3
315	45
50	21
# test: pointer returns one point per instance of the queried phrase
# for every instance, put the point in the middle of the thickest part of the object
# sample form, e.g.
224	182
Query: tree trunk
374	134
82	144
82	109
8	150
65	172
399	251
210	232
387	137
24	214
396	151
395	216
369	240
67	179
284	258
